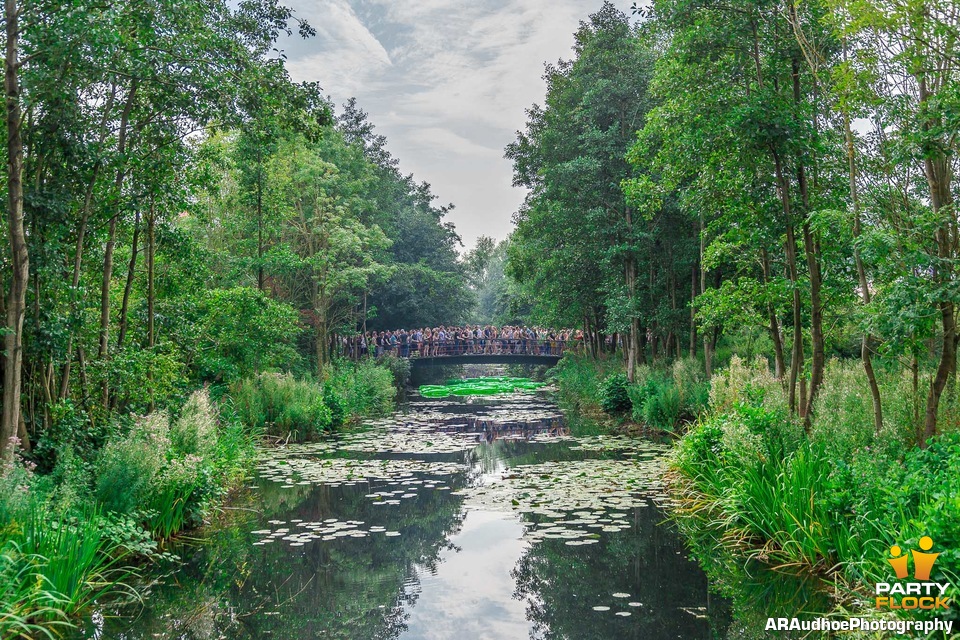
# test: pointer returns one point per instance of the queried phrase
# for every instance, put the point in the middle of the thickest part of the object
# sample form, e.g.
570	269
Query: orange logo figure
899	563
922	562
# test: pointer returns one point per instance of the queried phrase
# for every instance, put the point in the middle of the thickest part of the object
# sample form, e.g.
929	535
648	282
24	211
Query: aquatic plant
479	387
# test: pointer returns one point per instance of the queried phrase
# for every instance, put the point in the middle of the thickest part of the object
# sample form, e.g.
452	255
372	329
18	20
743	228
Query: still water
455	518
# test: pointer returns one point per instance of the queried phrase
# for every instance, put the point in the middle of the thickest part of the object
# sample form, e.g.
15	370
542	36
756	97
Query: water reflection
410	552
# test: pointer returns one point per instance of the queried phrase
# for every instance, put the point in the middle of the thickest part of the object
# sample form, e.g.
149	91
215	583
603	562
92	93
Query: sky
446	81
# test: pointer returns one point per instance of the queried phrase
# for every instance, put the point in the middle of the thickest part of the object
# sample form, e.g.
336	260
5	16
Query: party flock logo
919	593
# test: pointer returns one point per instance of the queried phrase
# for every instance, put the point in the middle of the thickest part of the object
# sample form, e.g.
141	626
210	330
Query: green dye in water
478	387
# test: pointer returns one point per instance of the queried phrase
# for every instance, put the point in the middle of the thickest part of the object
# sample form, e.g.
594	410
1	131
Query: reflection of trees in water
346	588
755	590
561	585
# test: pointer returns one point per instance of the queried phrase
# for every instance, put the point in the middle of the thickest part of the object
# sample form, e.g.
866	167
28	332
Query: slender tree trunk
19	255
78	252
779	360
938	172
812	255
151	256
111	241
796	358
260	280
693	311
128	288
861	274
707	350
632	346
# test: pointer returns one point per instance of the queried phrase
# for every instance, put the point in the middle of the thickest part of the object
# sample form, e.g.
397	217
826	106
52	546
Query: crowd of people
464	340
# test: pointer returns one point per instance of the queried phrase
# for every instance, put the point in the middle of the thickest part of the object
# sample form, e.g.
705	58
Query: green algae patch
479	387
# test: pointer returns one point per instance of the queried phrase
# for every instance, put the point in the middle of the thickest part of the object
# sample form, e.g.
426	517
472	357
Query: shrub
365	388
662	410
398	367
194	432
338	410
128	464
613	395
648	383
241	331
743	382
281	405
578	379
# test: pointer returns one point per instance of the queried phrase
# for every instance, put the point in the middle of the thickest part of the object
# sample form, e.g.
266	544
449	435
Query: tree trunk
693	311
796	358
128	288
707	351
19	255
259	217
630	280
111	241
151	255
779	360
938	171
861	274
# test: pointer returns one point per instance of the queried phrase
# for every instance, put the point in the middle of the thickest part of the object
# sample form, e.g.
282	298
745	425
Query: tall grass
365	388
54	565
281	405
832	502
74	556
26	598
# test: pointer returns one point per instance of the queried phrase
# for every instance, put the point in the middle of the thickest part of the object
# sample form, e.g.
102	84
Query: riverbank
753	488
81	530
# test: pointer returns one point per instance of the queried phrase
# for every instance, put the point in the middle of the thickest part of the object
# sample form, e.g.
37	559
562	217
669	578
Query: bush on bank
68	538
661	397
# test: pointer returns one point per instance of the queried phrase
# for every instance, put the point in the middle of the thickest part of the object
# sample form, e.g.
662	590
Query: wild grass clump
54	562
365	388
281	405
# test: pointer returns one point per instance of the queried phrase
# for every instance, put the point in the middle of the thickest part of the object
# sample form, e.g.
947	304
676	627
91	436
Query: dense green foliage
194	224
772	175
749	474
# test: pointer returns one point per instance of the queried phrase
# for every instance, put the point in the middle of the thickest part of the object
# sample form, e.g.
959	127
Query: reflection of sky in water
470	594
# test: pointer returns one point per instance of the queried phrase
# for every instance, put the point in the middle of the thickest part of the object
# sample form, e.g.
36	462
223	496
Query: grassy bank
751	485
662	397
79	527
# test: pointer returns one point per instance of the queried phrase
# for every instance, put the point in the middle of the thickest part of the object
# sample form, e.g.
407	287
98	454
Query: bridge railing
351	348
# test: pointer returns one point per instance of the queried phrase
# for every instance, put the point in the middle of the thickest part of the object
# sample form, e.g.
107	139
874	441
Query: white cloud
447	82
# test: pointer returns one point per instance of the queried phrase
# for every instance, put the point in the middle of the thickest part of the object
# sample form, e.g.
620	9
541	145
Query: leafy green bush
282	406
613	395
129	463
194	432
241	331
578	378
648	383
399	368
663	409
365	388
140	379
338	409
